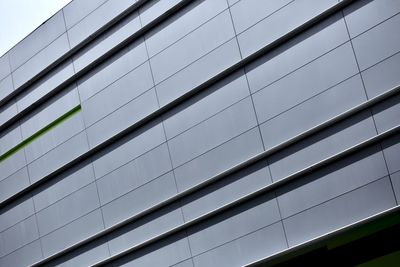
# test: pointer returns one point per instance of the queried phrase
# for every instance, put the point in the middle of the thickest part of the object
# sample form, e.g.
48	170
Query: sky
18	18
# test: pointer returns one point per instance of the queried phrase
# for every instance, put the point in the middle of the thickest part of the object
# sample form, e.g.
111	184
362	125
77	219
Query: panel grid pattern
108	208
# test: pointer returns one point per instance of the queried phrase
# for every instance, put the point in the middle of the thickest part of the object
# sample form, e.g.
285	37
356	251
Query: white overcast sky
20	17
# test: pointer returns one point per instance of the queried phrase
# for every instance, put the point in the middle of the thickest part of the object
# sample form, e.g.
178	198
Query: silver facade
187	109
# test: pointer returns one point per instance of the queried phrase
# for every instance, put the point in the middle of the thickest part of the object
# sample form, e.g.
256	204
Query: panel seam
369	109
311	168
258	192
217	77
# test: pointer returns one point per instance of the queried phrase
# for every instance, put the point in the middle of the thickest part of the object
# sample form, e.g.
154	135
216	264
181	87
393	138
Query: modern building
203	133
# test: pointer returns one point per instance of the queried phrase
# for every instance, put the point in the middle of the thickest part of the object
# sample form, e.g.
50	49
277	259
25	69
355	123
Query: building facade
202	133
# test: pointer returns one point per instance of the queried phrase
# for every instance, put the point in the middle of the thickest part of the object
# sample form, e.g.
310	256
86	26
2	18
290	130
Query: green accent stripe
41	132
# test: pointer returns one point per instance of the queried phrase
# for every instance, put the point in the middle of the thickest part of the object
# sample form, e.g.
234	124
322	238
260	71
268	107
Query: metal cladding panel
196	133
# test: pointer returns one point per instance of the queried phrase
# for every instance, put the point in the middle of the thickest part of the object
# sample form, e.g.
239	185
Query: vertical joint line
165	133
161	118
12	76
69	44
280	214
87	137
354	52
369	109
37	226
245	75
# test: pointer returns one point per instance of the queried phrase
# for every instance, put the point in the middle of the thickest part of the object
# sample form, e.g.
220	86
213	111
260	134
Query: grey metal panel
165	253
364	14
85	255
117	94
14	183
143	198
6	87
395	177
313	111
339	212
225	191
76	231
63	185
37	40
9	138
383	76
189	19
137	185
247	13
322	145
198	72
68	209
233	224
207	103
106	41
8	111
45	85
293	54
332	181
41	60
378	43
153	9
16	212
134	174
186	263
78	9
12	164
122	118
129	148
145	228
4	66
112	69
232	2
48	113
57	157
24	256
18	235
196	44
97	19
306	82
219	159
246	249
54	137
387	114
213	132
287	18
391	150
